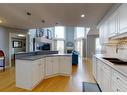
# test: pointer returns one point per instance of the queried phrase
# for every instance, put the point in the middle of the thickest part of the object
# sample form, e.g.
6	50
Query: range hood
43	39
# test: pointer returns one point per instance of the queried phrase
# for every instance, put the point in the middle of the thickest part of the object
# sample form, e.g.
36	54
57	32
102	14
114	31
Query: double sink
116	61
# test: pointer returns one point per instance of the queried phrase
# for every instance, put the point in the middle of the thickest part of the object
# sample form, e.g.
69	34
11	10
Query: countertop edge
111	64
32	58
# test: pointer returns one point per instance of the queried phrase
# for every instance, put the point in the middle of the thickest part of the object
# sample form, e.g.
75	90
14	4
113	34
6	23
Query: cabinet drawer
119	81
119	78
106	68
118	88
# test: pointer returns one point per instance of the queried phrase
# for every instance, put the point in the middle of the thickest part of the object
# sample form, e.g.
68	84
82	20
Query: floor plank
80	73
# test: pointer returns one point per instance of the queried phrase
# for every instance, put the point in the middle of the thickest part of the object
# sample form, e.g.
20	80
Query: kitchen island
31	70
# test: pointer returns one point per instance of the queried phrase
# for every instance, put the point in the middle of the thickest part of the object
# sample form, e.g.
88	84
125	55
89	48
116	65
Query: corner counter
31	70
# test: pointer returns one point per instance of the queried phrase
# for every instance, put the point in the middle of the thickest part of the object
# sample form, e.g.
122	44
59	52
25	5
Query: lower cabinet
94	65
119	82
65	65
106	78
52	65
48	66
109	79
29	73
99	73
37	71
55	65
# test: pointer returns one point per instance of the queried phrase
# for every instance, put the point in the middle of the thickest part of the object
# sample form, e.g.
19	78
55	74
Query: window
59	39
80	32
59	32
98	46
60	46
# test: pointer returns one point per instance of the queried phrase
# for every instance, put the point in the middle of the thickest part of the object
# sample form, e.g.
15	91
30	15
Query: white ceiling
14	15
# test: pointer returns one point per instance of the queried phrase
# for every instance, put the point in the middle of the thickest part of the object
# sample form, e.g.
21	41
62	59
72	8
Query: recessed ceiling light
20	35
1	21
43	21
28	13
82	15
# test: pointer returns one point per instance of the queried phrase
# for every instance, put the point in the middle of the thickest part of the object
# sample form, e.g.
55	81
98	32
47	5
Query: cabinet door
99	73
65	64
104	33
55	65
106	78
35	72
48	64
94	67
123	18
119	82
42	68
113	24
106	28
101	34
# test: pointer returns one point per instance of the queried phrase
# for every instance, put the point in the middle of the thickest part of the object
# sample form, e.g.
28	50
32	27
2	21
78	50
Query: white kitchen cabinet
36	71
101	35
122	18
103	30
23	75
42	69
109	79
113	24
65	65
99	73
116	25
52	65
48	70
119	82
29	73
55	65
103	77
94	67
106	79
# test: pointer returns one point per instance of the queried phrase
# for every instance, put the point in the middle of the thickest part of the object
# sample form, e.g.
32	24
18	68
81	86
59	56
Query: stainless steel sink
116	61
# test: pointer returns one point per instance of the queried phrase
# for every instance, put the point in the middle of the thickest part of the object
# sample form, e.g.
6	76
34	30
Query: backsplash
117	50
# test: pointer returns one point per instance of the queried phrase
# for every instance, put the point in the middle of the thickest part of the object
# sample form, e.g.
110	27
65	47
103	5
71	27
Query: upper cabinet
115	26
122	18
104	33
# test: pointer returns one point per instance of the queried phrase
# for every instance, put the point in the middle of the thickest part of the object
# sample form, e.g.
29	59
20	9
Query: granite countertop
120	68
35	57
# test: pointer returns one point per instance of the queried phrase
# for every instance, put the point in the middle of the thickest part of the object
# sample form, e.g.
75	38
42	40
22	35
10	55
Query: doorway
17	44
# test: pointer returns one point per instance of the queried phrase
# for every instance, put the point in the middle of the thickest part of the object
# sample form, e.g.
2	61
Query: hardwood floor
81	72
